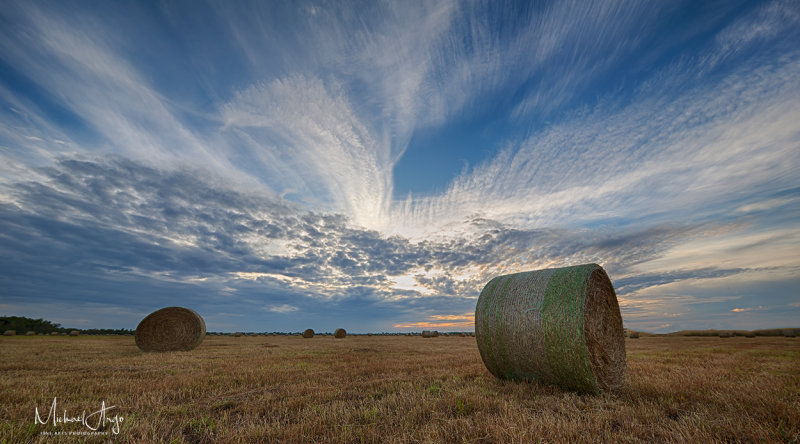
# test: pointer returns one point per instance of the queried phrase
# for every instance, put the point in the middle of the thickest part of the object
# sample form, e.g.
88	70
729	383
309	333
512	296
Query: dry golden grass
396	389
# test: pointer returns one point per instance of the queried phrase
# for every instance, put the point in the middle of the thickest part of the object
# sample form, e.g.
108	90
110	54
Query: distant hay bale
339	333
74	333
237	334
170	329
633	334
427	334
55	333
749	334
309	333
725	334
788	333
10	333
559	326
30	333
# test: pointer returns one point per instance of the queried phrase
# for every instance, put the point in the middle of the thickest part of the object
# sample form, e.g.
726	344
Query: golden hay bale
559	326
30	333
74	333
309	333
170	329
10	333
633	334
427	334
339	333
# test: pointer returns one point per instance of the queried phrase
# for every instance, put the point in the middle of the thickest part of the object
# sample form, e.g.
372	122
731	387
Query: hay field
392	389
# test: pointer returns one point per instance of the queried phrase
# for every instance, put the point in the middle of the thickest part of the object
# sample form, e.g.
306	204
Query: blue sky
371	165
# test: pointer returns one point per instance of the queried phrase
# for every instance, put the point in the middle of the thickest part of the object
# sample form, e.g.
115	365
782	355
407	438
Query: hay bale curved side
427	334
74	333
309	333
633	334
339	333
30	333
170	329
10	333
559	326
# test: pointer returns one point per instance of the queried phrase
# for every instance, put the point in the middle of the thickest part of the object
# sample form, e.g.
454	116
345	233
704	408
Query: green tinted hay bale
339	333
309	333
558	326
10	333
170	329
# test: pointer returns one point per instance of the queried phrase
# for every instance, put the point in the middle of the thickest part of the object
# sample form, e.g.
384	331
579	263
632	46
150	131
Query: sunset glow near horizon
277	166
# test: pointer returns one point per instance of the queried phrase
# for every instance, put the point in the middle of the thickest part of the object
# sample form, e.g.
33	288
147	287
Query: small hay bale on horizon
170	329
725	334
559	326
633	334
427	333
74	333
237	334
788	333
308	333
10	333
55	333
339	333
30	333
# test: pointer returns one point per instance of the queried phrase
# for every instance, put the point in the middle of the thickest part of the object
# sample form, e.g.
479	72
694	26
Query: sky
277	166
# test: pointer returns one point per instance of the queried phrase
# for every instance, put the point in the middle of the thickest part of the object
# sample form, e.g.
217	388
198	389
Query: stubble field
389	389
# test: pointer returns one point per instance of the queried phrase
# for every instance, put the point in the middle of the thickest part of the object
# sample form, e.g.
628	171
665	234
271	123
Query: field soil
387	389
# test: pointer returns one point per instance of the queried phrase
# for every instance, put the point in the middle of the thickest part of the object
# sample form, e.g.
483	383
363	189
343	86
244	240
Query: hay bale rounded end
309	333
10	333
170	329
339	333
559	326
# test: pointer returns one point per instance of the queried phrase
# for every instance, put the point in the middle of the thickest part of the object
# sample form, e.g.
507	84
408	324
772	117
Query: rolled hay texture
55	333
309	333
633	334
10	333
74	333
339	333
30	333
237	334
170	329
427	334
559	326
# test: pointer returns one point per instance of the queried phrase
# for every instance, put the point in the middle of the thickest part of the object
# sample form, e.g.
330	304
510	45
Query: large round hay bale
559	326
633	334
427	334
74	333
10	333
30	333
339	333
170	329
309	333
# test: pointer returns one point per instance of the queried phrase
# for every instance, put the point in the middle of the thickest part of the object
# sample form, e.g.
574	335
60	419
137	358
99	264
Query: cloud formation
660	141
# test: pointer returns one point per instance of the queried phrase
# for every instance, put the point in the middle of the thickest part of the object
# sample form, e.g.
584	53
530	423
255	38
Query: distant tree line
23	325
